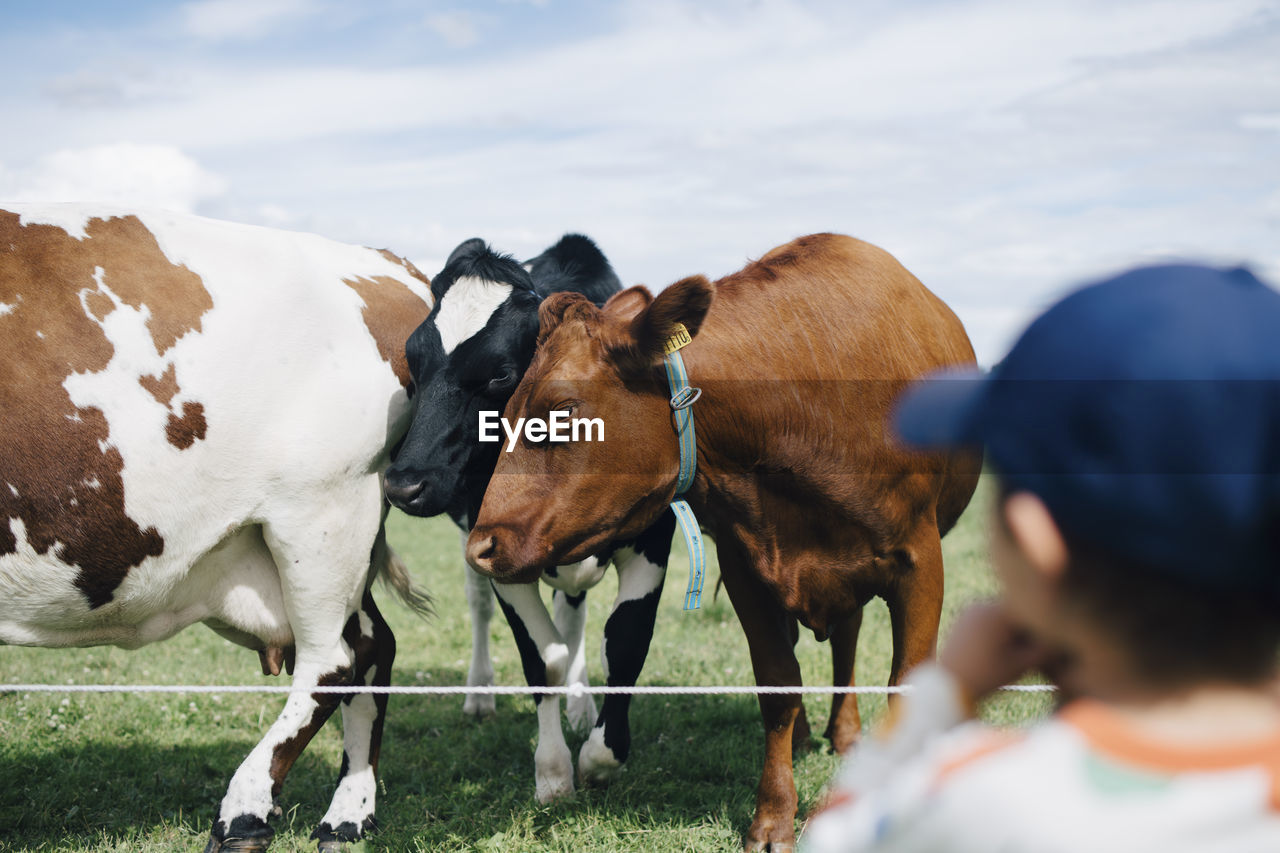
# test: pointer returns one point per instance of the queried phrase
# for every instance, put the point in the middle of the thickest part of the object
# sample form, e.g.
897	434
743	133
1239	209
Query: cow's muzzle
490	552
416	492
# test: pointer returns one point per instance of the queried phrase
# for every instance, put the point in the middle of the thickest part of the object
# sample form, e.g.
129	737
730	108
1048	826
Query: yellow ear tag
680	338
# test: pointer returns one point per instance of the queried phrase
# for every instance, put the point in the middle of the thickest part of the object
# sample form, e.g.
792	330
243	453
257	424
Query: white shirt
1083	780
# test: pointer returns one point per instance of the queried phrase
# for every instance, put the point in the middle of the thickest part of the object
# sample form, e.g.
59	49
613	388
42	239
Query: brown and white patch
182	430
391	312
64	489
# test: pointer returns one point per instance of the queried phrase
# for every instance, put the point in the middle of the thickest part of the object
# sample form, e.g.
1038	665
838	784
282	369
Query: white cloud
1001	150
145	175
1260	121
113	85
457	28
674	68
241	19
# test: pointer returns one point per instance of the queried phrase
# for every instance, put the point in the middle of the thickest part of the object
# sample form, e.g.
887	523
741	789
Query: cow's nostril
481	551
401	489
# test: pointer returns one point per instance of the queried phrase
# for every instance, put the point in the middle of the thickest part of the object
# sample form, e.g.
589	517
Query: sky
1005	152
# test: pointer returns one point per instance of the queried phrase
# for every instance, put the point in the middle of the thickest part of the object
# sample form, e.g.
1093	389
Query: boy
1135	432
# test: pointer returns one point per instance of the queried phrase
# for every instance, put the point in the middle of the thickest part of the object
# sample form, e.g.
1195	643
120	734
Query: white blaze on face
466	307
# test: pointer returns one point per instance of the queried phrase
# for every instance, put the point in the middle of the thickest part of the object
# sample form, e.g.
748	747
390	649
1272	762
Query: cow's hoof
553	770
547	794
842	740
335	845
247	834
334	839
556	782
237	845
775	837
480	706
597	765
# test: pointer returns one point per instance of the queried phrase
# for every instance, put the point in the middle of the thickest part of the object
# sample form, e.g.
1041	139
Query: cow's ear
562	306
466	249
626	304
684	303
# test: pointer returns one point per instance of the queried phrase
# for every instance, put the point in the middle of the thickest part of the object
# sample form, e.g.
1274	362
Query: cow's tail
394	574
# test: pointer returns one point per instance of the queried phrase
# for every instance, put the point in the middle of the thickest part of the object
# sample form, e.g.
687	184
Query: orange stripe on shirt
995	741
1110	733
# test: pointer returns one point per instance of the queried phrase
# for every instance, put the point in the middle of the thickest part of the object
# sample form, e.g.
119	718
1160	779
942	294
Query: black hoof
237	845
331	838
247	834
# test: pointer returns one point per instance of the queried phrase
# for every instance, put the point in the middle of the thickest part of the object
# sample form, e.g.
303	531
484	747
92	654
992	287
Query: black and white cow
468	356
194	420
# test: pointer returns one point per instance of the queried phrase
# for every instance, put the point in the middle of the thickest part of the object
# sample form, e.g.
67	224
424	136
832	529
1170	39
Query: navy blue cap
1144	410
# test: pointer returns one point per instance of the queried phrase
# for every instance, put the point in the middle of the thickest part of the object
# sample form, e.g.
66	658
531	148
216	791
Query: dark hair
1176	632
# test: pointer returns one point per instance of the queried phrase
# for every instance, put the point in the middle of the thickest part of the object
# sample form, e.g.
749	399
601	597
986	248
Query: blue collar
683	396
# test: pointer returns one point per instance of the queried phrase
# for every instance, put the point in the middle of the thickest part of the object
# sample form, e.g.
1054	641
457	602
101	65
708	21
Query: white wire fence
572	690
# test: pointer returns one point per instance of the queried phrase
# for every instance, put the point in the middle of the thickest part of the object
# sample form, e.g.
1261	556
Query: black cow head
468	356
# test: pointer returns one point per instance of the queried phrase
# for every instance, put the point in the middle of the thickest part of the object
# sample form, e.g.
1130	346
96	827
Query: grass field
145	772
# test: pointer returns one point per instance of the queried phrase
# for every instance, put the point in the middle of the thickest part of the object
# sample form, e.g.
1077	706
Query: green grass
145	772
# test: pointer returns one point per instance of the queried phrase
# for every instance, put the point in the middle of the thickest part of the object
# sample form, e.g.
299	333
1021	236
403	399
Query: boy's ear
562	306
1035	533
685	302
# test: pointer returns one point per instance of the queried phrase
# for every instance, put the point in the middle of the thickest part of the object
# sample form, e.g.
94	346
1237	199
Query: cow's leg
915	601
323	560
350	813
480	672
571	621
241	824
800	732
627	635
545	660
768	629
845	725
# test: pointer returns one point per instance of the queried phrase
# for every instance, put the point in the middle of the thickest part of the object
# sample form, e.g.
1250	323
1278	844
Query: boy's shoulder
1081	780
1088	774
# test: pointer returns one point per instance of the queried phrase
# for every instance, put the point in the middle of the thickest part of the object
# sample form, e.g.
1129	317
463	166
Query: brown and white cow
194	421
814	508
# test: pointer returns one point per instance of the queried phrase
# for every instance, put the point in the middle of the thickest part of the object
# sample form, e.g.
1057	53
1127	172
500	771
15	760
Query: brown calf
814	507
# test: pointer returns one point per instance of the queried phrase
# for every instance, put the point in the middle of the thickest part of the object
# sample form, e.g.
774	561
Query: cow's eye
502	379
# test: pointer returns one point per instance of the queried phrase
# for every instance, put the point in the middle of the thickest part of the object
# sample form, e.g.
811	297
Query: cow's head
467	356
553	503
